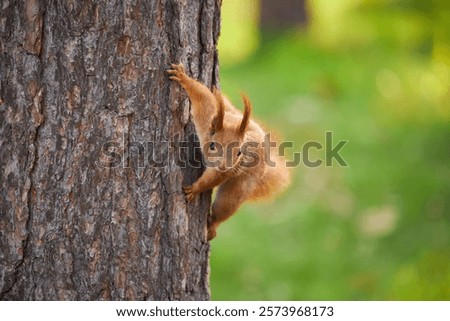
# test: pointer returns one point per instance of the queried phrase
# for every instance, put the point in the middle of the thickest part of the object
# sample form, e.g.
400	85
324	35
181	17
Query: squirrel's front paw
190	193
177	72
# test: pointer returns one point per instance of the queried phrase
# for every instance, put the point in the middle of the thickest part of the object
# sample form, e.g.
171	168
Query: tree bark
91	205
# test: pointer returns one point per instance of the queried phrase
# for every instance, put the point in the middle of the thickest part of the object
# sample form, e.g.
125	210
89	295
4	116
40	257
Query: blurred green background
375	73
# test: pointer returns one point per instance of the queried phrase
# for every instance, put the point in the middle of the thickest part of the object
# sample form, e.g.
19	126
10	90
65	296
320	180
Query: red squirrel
240	163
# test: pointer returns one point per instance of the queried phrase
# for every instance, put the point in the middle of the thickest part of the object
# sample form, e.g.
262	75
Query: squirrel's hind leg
229	198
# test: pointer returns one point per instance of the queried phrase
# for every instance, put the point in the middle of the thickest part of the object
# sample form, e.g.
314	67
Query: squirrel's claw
175	78
179	67
177	72
189	193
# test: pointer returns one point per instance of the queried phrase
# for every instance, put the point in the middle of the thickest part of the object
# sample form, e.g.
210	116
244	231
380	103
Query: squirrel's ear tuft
217	124
246	118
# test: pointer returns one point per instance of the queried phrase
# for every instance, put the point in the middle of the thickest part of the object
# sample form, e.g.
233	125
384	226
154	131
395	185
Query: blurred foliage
375	73
241	38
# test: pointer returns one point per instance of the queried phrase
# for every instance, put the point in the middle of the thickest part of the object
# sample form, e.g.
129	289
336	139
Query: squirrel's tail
275	180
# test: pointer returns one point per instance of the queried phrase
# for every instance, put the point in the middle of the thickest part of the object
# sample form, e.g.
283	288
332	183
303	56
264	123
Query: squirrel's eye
239	153
212	146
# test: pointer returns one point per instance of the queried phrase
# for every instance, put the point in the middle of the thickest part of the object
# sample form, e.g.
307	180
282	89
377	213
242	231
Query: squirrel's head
223	151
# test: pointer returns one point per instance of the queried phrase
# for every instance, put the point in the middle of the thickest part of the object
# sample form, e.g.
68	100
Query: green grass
376	230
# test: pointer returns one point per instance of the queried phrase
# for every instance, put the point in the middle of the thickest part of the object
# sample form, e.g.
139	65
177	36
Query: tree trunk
91	205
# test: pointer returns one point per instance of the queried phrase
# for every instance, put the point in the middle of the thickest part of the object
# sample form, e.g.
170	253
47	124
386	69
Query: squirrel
238	160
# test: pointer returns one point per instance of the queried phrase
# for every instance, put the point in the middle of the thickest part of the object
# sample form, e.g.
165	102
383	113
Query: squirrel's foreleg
209	179
203	101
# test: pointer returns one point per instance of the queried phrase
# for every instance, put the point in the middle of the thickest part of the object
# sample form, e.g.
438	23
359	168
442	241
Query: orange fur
220	126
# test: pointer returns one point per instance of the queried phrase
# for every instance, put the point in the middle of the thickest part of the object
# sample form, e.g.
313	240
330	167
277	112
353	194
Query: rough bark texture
74	223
